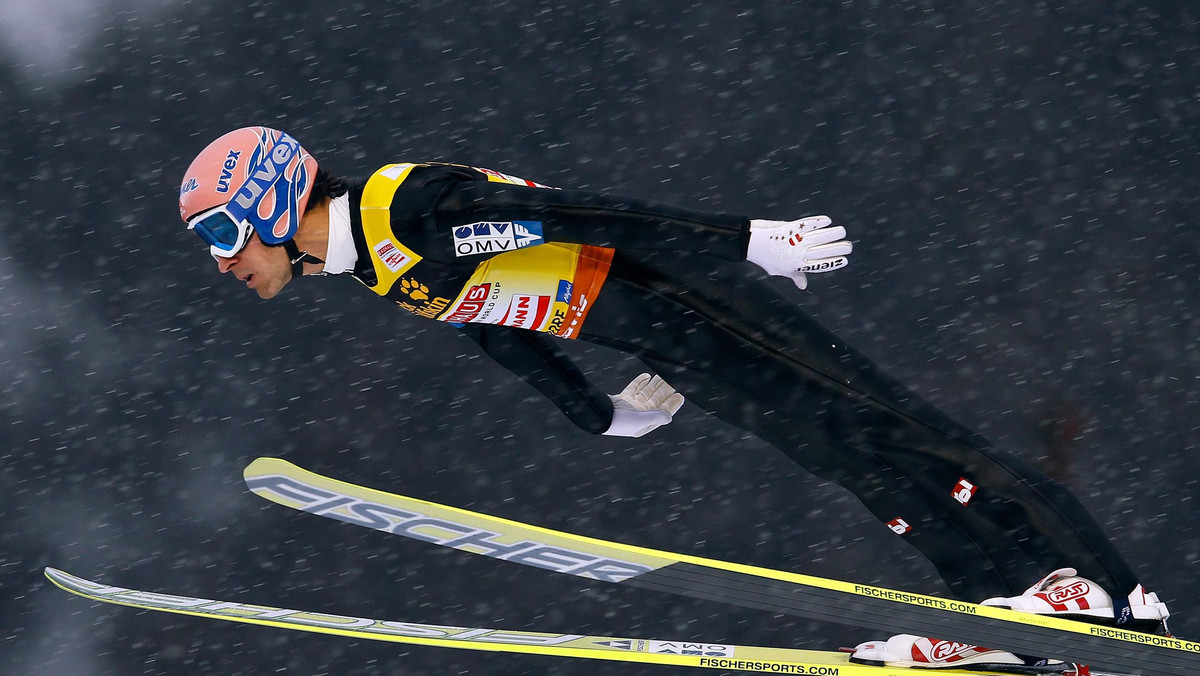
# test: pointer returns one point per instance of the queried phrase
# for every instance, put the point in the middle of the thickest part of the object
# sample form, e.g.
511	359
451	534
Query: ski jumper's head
246	195
251	181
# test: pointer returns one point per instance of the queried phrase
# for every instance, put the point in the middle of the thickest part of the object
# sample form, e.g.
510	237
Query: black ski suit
732	345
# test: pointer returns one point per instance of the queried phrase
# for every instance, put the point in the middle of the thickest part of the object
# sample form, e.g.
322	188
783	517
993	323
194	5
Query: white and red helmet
258	177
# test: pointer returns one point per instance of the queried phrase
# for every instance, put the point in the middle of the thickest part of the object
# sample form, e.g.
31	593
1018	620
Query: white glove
793	248
645	404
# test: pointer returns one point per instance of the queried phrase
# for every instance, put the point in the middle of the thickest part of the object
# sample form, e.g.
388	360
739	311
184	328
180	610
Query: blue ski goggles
228	227
224	232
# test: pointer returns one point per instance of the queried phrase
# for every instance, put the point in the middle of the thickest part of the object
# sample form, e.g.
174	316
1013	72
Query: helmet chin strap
298	258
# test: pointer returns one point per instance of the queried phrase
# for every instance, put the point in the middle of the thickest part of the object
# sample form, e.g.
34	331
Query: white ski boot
1064	594
917	652
1061	593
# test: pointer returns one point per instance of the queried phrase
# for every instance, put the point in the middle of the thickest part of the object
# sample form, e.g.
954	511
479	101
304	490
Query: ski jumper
518	267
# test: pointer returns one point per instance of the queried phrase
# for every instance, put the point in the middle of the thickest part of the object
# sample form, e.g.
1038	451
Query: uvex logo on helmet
277	210
227	171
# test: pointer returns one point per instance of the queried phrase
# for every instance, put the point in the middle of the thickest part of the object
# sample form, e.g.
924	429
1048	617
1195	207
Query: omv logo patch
491	237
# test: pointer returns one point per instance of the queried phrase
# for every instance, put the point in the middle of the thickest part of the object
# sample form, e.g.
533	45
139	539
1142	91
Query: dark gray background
1020	179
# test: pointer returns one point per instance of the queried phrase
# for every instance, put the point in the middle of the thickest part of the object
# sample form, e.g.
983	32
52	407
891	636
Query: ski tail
886	610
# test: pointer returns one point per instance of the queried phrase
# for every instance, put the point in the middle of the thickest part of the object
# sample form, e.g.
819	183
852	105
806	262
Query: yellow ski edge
633	556
646	651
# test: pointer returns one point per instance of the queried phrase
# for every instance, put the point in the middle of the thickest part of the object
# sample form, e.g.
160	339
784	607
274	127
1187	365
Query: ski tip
259	466
56	576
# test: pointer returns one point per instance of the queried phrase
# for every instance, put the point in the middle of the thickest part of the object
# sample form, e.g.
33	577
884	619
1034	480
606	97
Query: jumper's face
266	269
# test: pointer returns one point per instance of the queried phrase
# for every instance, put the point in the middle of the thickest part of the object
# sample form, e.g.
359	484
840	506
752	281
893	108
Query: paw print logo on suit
415	289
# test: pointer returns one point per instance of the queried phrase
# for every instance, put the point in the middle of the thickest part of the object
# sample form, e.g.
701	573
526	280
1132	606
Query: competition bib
537	285
545	288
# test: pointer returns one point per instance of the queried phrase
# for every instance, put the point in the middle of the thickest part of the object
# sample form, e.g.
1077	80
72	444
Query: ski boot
917	652
1064	594
1061	594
